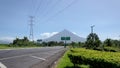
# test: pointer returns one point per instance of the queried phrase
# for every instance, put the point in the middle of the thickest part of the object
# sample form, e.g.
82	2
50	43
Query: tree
108	42
61	43
79	44
44	43
21	42
25	39
73	44
92	41
15	41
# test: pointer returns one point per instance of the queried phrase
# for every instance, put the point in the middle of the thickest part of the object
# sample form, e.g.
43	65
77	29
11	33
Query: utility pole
92	28
31	36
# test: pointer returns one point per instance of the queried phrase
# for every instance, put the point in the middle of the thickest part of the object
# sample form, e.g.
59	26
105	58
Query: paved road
29	58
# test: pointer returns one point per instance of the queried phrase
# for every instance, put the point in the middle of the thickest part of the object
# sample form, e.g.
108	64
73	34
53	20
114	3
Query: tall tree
92	41
108	42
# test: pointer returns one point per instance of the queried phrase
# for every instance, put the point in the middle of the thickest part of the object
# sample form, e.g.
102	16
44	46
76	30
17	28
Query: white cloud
47	34
74	33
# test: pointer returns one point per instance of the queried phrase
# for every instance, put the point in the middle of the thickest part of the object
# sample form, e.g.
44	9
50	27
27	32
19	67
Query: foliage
92	41
65	62
60	43
4	46
96	59
52	43
22	43
111	49
108	42
76	44
111	43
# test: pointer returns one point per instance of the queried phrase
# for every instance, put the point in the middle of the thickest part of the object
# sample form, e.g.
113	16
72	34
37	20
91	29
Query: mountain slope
65	33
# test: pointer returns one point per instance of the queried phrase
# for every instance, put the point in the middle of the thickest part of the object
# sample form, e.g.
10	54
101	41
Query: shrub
96	59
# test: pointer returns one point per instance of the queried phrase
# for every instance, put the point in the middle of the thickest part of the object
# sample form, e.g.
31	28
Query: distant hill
4	42
65	33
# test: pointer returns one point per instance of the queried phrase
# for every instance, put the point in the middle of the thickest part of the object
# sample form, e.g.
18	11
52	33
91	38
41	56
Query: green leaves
108	42
92	41
22	43
96	59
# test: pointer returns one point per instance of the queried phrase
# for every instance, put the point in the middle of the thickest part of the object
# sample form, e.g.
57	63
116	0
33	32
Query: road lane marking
21	56
38	58
21	48
13	57
2	65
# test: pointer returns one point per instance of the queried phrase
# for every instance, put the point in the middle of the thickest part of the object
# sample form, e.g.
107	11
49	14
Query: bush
96	59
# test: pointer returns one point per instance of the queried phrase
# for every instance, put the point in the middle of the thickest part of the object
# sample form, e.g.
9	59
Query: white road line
21	48
22	56
2	65
38	58
13	57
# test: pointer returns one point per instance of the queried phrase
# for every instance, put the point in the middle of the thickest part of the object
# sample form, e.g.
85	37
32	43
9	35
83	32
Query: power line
54	5
62	10
39	6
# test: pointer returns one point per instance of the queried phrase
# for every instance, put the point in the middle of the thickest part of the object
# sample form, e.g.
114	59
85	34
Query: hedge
96	59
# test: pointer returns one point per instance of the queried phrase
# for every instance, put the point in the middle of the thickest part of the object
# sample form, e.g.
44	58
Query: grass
4	46
65	62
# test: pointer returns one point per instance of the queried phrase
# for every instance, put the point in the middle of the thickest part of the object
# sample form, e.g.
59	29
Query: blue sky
52	16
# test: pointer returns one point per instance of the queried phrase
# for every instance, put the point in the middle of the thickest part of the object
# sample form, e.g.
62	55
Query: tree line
92	42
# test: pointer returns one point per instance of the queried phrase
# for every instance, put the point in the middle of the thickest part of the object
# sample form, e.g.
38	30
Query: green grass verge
65	62
4	46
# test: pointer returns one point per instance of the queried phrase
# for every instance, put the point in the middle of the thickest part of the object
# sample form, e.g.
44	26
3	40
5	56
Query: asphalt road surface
30	58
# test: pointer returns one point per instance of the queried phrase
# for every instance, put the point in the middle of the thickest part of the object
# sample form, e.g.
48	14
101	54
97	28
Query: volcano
65	33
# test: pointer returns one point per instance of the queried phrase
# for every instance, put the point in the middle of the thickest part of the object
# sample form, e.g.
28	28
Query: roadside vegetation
86	58
94	53
4	46
26	43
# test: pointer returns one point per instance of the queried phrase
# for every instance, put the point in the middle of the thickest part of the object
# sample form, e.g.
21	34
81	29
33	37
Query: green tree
61	43
15	41
92	41
73	44
108	42
79	44
21	42
44	43
25	41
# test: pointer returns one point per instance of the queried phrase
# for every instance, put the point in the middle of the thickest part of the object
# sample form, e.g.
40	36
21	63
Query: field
85	58
6	46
